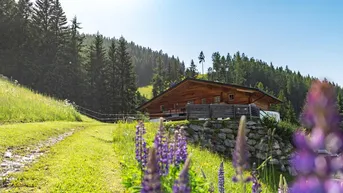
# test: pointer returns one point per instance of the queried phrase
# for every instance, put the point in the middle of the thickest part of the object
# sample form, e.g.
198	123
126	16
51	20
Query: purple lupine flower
221	179
181	147
256	186
181	185
161	145
151	182
171	152
165	157
316	170
240	154
141	151
145	154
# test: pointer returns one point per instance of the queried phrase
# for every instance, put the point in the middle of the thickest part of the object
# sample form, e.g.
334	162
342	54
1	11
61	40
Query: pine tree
45	51
76	87
127	79
202	60
182	70
210	74
282	108
223	70
57	78
216	66
113	76
7	11
192	71
239	69
169	76
96	74
230	68
157	80
21	42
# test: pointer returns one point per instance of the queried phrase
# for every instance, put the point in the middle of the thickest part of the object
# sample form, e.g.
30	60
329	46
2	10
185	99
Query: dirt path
82	162
13	162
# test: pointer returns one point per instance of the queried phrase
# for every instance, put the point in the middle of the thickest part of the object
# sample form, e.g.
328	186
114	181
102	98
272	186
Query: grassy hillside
19	104
146	91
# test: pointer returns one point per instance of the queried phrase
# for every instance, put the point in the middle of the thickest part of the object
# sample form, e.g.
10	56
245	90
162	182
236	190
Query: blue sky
305	35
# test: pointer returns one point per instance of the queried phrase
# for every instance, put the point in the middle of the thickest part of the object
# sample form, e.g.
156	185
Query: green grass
19	104
146	91
202	76
83	162
201	158
21	135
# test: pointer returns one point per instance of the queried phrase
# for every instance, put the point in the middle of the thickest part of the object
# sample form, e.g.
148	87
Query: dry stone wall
219	136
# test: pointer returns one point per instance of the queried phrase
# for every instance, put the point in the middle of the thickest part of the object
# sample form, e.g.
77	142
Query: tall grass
19	104
202	160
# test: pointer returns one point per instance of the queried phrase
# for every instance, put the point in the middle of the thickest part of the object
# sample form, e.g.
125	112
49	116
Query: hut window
162	108
231	97
217	99
203	101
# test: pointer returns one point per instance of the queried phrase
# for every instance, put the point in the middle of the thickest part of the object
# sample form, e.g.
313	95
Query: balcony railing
215	111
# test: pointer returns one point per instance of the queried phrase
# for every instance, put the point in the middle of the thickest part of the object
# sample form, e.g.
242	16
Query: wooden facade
195	91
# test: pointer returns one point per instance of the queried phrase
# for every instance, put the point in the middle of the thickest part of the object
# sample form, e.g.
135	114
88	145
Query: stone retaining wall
219	136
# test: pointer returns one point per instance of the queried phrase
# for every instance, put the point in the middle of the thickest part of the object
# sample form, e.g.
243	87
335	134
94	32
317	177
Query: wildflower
151	182
240	154
256	186
221	179
315	170
181	147
161	145
181	185
141	150
171	151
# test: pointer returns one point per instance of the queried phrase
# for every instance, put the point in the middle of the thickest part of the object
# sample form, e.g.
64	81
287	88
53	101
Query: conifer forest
44	50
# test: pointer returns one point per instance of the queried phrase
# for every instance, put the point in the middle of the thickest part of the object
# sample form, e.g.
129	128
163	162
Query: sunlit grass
22	135
19	104
83	162
202	76
146	91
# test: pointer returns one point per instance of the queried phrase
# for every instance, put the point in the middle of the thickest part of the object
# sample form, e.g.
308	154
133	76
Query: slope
19	104
39	131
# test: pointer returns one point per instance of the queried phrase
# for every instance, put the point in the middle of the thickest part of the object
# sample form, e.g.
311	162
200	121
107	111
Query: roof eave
149	101
276	100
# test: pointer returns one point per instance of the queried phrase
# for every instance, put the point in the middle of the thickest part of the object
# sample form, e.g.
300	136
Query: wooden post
250	111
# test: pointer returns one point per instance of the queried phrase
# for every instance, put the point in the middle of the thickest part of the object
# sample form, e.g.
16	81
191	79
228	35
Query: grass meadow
21	105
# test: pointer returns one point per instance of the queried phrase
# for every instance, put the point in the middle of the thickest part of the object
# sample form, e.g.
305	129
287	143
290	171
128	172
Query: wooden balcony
223	111
210	111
